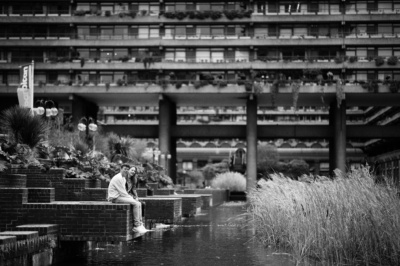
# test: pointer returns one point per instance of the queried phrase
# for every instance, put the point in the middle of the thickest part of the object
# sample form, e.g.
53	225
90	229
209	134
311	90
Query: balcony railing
68	36
292	11
200	60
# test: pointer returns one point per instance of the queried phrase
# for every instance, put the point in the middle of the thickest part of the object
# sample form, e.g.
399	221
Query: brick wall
163	210
13	180
164	191
94	194
219	196
41	195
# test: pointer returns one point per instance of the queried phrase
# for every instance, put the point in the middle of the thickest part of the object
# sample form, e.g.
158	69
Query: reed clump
349	220
230	180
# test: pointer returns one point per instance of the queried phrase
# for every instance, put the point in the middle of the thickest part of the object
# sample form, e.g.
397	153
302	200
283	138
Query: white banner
25	89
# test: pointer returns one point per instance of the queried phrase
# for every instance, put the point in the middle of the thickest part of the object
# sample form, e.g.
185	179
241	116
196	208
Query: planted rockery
349	219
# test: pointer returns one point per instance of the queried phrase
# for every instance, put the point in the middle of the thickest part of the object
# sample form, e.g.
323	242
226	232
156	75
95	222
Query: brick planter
13	181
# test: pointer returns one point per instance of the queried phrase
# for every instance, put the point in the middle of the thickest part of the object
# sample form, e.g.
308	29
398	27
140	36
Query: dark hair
125	165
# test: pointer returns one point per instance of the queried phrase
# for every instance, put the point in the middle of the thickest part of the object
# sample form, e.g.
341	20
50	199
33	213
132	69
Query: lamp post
45	107
87	125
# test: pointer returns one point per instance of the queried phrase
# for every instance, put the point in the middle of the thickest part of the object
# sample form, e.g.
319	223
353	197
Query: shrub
79	13
394	86
338	59
197	84
379	61
353	59
107	13
229	180
348	220
223	84
23	127
392	61
194	179
125	58
178	85
211	170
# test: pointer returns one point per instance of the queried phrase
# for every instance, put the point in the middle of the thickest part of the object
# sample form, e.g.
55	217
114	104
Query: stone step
21	235
43	229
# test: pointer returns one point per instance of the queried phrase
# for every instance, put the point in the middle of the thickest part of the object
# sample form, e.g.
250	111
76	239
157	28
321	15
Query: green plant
120	82
178	85
248	86
304	217
340	95
196	84
379	61
107	13
295	93
392	61
394	86
353	59
229	180
125	58
79	13
274	92
211	170
132	14
23	127
339	59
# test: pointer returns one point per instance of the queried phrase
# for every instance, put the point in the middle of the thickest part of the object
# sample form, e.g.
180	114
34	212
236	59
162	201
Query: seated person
132	183
117	193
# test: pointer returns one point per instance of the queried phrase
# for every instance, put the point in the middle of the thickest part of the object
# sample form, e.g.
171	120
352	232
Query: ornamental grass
230	180
348	220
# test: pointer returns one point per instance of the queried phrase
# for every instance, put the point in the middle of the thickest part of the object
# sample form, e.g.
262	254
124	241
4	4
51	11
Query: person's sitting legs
137	212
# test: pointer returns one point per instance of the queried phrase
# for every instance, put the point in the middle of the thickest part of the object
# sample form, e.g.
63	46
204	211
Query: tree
211	170
267	158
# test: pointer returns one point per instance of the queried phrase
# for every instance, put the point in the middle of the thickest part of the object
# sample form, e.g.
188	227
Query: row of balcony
218	63
183	14
69	36
219	87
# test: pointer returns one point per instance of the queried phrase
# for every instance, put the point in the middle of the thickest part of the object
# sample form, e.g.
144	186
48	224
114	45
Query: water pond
215	237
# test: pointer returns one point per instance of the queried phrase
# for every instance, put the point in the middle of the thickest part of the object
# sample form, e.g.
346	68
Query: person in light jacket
117	193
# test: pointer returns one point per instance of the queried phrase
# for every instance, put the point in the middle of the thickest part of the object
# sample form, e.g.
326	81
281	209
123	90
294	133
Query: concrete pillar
167	144
337	145
317	168
251	139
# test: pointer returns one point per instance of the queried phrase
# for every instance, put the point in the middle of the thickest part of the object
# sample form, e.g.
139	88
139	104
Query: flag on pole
25	89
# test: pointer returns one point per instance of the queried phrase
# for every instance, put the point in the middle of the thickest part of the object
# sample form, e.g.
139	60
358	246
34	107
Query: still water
221	236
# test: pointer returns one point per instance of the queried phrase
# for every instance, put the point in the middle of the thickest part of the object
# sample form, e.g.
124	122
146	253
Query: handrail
65	35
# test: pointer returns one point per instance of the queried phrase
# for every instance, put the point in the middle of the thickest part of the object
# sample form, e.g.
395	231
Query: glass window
143	32
180	31
106	77
217	31
203	30
203	6
106	54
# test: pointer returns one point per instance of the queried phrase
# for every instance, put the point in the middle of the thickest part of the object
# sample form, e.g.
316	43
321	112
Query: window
203	6
106	77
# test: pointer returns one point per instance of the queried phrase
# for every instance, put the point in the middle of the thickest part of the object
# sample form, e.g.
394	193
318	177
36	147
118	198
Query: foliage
267	158
340	95
22	127
194	179
392	61
394	86
295	93
353	59
371	86
79	13
211	170
16	153
274	92
350	220
229	180
379	61
339	59
151	172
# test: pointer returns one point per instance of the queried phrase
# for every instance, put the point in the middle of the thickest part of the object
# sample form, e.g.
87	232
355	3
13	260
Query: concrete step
43	229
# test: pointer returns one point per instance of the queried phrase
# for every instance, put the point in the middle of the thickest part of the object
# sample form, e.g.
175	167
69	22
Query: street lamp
87	125
45	107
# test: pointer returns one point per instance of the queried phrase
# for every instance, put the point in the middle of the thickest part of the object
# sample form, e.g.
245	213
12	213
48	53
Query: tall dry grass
230	180
350	220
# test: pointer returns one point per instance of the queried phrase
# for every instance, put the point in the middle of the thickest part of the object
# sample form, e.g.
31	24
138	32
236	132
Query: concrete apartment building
202	78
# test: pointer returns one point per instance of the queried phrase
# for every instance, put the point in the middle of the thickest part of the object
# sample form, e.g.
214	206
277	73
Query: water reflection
211	239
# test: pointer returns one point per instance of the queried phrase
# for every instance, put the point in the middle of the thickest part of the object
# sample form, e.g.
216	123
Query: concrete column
337	122
167	145
316	167
251	139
